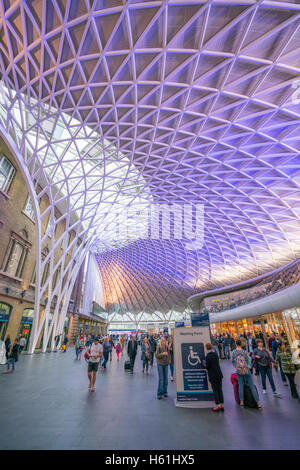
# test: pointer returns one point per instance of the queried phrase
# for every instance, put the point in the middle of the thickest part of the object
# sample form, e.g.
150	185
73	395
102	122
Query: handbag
87	355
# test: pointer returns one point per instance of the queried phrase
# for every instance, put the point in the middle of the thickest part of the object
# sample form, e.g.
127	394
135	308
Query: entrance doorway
26	325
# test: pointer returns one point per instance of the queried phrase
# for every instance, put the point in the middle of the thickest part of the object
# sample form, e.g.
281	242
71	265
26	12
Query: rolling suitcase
235	384
127	366
249	401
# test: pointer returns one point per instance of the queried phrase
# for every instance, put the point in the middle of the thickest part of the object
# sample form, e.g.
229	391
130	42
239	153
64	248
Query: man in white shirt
95	352
22	344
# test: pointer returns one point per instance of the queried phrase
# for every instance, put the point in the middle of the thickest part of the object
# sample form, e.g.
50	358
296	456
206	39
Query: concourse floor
45	404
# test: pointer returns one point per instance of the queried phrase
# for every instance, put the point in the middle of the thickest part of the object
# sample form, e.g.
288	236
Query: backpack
241	365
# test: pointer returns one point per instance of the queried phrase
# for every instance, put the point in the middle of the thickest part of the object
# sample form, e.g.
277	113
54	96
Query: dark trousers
151	358
218	392
265	371
132	360
105	355
146	364
291	379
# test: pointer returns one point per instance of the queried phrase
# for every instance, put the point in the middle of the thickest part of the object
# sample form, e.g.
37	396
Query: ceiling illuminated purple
186	102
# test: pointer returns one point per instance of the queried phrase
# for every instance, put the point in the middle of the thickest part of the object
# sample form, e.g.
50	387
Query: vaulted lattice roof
193	101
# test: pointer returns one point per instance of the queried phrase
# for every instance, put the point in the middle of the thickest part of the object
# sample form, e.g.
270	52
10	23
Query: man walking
131	351
22	344
95	351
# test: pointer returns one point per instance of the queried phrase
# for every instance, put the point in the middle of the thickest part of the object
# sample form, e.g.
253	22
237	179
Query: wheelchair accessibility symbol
193	358
192	355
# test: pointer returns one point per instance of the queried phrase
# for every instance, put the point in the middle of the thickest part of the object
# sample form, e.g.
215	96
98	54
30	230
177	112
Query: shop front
5	311
291	319
26	325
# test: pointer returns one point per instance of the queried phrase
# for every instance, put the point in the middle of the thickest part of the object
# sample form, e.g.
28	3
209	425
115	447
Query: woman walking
118	349
264	360
171	349
284	356
146	350
163	360
215	376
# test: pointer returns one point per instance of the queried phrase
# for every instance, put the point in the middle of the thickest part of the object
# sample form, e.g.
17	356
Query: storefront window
5	310
26	325
292	321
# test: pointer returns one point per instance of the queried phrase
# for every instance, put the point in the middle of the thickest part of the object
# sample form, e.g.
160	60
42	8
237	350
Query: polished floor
46	404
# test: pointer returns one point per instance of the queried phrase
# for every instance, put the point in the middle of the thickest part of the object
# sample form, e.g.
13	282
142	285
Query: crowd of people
250	355
285	278
100	350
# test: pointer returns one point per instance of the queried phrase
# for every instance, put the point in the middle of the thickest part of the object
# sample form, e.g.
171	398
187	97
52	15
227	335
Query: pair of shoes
285	384
165	395
172	379
259	407
221	408
264	392
216	408
276	394
159	397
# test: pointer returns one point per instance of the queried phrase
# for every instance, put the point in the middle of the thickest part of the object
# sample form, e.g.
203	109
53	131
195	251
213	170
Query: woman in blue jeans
243	373
163	360
264	361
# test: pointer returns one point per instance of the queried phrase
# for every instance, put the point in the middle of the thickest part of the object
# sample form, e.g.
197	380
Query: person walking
65	342
153	349
111	347
215	376
122	340
79	347
145	357
171	349
7	343
22	344
94	351
275	345
270	341
118	349
284	356
163	360
106	347
264	360
240	361
226	343
131	351
12	356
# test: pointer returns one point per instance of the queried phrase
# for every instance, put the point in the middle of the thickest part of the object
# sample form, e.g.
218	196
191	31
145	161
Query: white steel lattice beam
116	104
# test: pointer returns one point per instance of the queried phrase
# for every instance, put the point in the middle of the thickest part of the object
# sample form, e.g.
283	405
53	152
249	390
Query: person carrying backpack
240	360
12	356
